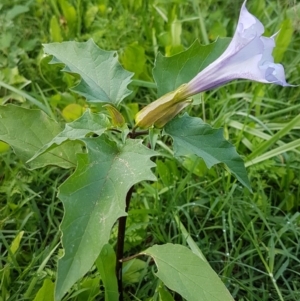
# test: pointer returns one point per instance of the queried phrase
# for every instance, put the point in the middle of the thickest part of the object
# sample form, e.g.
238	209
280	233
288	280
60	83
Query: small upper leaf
171	72
29	130
94	198
192	136
103	79
185	273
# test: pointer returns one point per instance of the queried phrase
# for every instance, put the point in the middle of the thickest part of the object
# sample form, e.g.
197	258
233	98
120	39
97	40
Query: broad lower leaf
185	273
78	129
94	198
192	136
171	72
103	79
26	131
106	265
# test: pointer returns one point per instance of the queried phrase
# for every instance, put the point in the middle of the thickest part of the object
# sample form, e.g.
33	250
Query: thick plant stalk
122	228
120	245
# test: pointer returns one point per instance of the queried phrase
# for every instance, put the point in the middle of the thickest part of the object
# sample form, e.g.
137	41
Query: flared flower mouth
248	56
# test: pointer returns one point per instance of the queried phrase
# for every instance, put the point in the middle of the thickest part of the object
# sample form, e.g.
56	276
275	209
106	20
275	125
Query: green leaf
94	198
46	292
26	131
103	79
106	264
192	136
171	72
78	129
185	273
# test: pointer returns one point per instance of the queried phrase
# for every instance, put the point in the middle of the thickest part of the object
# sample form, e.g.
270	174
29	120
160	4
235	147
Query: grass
251	240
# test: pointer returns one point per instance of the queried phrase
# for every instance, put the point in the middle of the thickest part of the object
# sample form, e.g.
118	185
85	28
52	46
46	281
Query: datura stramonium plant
248	56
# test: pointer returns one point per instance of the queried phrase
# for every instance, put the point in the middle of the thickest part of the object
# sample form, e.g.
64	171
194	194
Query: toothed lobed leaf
26	131
88	123
103	79
94	198
193	136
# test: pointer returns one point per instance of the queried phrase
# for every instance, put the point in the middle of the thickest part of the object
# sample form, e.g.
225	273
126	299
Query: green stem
122	227
133	134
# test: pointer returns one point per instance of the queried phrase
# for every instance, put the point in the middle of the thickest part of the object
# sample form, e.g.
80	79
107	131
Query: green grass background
251	240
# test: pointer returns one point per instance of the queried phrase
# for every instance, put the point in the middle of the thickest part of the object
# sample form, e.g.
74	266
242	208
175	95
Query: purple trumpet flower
248	56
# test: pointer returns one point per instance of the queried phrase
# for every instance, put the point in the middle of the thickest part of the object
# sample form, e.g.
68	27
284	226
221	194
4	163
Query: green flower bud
117	118
171	113
162	110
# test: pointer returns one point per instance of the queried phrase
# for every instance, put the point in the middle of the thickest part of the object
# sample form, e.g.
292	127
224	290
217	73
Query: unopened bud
171	113
162	110
117	118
